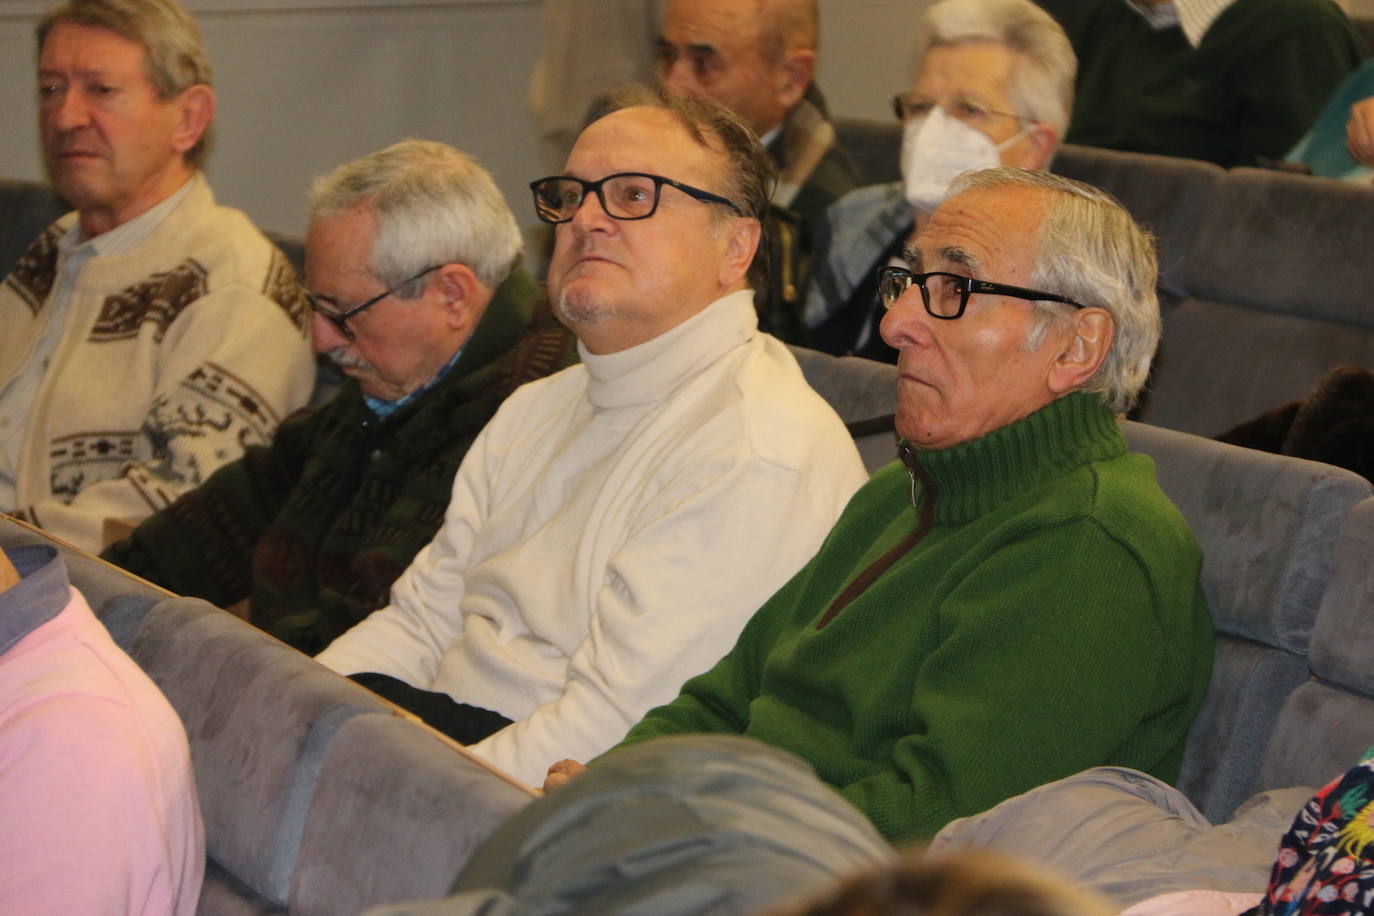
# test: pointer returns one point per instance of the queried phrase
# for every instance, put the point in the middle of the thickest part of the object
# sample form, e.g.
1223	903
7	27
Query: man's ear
797	70
1082	351
195	111
742	240
463	295
1041	142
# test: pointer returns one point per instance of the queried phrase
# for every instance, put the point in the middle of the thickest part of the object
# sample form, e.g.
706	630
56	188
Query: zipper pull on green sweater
923	525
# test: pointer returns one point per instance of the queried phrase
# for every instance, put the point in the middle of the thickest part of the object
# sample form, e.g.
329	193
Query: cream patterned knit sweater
175	356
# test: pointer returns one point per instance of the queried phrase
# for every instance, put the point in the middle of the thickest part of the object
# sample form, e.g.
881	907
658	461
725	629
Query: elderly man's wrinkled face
110	144
617	283
399	344
971	81
712	48
961	379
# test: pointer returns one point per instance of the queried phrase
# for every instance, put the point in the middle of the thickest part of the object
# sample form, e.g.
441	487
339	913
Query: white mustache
344	360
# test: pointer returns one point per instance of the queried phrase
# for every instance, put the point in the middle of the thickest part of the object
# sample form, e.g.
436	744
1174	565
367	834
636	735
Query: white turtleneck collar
650	370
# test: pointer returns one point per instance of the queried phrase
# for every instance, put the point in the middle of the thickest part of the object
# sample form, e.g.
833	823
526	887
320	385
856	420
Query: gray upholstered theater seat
1280	291
316	796
259	716
293	246
117	598
1267	525
328	378
1328	722
874	145
1166	195
26	209
863	392
395	816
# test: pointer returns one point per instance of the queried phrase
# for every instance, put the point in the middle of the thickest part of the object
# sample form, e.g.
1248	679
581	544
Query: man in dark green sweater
411	256
1228	81
1016	600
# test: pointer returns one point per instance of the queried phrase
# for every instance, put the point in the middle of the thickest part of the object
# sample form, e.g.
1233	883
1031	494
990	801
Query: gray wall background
306	84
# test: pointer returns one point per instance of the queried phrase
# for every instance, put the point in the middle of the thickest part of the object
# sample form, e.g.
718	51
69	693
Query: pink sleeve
93	822
1195	903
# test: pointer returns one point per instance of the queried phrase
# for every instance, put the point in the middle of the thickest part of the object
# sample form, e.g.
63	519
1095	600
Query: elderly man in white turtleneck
616	524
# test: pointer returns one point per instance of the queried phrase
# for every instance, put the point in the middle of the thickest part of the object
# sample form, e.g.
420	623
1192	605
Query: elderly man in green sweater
1015	600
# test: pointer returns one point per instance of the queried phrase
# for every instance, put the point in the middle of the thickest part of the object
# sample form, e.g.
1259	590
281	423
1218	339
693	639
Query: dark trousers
461	722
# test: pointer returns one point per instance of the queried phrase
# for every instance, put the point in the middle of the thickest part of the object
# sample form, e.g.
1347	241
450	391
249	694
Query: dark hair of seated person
973	883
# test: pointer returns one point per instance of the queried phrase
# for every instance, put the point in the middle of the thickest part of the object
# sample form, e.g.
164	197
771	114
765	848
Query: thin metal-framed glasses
909	105
624	195
945	295
340	319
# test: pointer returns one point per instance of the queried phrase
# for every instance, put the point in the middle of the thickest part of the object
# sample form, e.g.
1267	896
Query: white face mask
938	147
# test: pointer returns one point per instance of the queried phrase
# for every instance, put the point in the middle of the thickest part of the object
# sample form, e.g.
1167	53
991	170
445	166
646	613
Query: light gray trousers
692	825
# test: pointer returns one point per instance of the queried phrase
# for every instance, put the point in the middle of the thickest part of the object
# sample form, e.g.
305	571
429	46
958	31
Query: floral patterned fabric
1325	865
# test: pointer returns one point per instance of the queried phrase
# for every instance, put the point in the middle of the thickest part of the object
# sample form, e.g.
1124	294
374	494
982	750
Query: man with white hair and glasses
993	86
412	259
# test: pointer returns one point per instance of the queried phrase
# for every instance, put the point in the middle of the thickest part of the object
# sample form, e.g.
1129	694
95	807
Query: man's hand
1359	131
561	772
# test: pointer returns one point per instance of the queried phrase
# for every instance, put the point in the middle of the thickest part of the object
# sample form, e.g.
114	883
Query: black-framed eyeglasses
909	105
340	319
624	195
945	295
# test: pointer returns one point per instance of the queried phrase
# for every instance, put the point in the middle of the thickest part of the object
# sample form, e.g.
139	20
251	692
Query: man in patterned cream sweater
150	335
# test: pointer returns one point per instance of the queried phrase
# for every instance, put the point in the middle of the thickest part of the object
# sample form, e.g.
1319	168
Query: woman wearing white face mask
994	86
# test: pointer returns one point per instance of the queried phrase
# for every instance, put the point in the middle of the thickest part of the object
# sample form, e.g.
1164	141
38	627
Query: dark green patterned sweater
315	527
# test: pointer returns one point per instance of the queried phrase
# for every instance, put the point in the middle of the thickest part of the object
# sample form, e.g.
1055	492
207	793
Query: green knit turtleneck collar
976	476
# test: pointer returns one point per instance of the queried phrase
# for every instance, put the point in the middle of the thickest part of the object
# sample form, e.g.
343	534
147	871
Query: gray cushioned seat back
14	534
863	392
293	246
259	716
1364	27
26	209
1165	194
1221	364
396	815
1235	724
117	598
328	378
1287	243
874	145
1267	525
1329	721
1280	283
221	894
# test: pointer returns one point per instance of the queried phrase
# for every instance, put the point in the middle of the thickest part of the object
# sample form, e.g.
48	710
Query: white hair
433	205
1041	86
1090	250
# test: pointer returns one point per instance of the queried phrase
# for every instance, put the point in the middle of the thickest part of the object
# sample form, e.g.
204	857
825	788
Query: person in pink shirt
96	788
